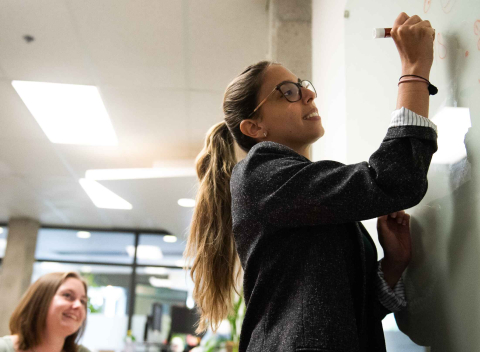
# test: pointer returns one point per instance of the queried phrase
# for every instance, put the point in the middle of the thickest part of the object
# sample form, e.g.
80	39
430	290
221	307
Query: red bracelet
432	90
403	80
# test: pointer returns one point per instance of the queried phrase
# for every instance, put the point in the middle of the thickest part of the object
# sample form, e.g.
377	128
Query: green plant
214	344
235	318
130	337
92	309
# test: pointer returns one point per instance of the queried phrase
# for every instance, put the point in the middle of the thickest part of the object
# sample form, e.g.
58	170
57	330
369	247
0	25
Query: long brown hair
29	318
216	267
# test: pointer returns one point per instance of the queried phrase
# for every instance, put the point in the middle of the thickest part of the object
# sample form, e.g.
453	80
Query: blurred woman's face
68	308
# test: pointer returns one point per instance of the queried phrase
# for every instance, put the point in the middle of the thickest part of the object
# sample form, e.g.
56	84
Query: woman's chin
318	135
68	329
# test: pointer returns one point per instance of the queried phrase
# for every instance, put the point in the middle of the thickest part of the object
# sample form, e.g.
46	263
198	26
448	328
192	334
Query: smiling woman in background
51	316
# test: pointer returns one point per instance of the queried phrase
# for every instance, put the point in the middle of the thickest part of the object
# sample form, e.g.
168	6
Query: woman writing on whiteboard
311	278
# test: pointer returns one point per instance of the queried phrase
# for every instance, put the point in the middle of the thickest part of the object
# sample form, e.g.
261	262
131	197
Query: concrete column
17	266
290	38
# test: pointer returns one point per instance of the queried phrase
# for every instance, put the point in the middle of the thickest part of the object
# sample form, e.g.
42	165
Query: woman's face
288	123
68	308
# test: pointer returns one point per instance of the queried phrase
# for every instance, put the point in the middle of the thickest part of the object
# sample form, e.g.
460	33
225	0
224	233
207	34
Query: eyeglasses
290	90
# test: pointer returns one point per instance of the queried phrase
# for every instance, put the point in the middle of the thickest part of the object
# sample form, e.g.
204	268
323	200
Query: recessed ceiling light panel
102	197
186	202
68	113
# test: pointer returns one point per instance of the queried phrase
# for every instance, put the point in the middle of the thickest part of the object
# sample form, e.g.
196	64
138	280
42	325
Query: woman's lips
313	116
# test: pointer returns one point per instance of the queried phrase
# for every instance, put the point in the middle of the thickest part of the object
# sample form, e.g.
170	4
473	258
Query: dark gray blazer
293	219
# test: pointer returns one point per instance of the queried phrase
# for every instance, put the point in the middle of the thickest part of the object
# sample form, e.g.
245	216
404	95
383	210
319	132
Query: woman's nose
307	95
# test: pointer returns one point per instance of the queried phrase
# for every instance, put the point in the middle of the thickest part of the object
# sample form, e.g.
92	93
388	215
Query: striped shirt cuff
405	117
394	300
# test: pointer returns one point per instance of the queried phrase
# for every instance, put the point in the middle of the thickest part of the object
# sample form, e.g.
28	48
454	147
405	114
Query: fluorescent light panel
170	239
84	234
156	270
186	202
68	113
3	245
155	282
145	252
102	197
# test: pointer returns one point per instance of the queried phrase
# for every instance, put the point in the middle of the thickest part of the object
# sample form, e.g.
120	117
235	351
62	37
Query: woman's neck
306	152
302	150
54	344
50	343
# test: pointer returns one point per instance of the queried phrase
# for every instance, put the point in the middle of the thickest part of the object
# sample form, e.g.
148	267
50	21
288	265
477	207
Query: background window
160	250
162	294
3	241
85	246
154	295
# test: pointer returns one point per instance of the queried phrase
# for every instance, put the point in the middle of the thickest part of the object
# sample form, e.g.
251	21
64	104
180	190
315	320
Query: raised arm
414	40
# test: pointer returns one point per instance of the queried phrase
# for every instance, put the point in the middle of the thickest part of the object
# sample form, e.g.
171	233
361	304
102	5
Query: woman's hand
414	40
394	237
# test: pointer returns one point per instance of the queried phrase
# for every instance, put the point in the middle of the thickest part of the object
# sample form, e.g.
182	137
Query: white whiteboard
443	279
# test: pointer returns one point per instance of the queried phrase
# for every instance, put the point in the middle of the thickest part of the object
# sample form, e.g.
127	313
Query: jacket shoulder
265	152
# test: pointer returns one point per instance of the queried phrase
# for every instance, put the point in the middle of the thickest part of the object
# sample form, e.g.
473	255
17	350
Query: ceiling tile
205	110
32	159
154	202
134	43
17	122
152	121
224	38
54	56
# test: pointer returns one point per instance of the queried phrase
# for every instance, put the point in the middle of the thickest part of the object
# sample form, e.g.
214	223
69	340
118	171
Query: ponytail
211	246
216	267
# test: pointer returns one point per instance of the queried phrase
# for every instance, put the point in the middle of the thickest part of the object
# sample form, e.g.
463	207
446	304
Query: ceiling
161	68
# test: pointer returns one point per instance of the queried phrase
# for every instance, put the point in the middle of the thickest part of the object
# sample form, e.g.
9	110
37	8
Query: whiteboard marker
382	33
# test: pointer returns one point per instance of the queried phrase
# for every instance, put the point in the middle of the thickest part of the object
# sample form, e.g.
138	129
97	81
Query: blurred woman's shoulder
6	344
80	349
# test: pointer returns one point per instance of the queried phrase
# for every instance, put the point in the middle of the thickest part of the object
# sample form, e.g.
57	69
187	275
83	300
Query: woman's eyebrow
286	81
72	291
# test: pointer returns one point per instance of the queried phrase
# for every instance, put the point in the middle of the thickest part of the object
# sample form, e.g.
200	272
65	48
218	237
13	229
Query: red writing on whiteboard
426	5
476	30
441	48
447	5
476	27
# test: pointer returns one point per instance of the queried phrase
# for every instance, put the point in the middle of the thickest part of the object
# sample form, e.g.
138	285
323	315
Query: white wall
328	72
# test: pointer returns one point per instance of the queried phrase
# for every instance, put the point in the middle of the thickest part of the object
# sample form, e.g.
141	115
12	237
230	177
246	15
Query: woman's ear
251	128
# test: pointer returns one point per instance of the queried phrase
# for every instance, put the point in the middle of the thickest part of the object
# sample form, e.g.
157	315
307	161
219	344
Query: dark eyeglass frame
277	87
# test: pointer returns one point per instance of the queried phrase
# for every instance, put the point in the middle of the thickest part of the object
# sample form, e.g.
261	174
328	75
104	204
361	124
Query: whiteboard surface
443	279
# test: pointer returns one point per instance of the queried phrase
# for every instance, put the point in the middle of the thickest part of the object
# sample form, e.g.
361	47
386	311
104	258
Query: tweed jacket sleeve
392	299
299	192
